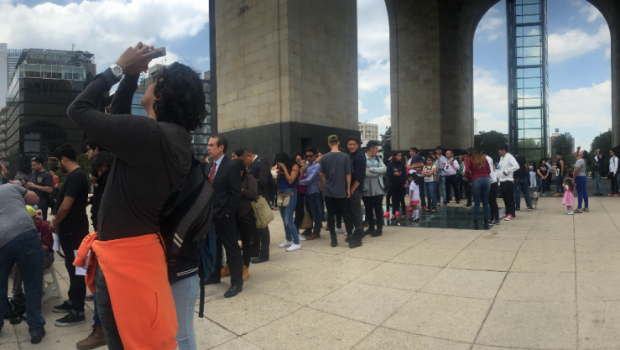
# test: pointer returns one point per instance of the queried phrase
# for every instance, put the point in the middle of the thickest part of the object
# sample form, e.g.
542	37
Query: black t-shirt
75	186
522	172
44	179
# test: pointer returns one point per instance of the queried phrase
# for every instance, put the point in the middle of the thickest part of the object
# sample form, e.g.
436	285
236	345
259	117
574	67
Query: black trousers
338	206
493	202
260	242
374	211
300	210
614	184
44	209
422	196
70	241
453	182
247	228
508	194
468	192
397	192
226	231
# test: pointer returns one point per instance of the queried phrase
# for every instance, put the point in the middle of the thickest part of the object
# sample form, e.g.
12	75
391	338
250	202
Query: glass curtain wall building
528	96
44	84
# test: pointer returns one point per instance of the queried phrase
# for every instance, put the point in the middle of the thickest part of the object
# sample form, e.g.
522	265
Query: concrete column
287	72
431	74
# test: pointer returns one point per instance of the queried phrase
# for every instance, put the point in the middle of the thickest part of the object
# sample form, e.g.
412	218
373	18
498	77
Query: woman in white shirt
431	176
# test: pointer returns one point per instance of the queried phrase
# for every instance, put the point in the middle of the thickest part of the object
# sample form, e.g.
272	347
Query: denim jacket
377	169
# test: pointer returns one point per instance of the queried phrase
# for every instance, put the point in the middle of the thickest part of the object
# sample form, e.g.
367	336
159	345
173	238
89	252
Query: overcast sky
579	51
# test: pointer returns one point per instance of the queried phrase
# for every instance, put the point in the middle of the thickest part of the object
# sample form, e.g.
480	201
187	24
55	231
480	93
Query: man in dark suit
224	175
260	169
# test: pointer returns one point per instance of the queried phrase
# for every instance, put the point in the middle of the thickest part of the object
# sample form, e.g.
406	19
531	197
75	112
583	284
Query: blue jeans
431	194
480	189
287	216
442	184
559	184
185	293
542	183
599	182
582	194
314	205
521	185
26	251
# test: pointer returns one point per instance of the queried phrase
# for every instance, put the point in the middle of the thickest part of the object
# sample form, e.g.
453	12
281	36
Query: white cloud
360	108
387	101
583	108
383	122
165	60
373	31
105	28
490	102
608	52
575	43
592	12
491	27
377	74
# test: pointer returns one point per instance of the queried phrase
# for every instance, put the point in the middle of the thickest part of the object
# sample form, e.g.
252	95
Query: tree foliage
564	144
487	142
603	142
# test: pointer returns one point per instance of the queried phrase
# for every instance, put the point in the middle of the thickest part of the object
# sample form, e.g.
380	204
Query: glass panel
530	113
529	102
528	31
531	9
531	40
535	92
531	72
530	61
531	123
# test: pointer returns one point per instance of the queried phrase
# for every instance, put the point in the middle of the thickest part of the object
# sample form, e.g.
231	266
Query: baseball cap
332	138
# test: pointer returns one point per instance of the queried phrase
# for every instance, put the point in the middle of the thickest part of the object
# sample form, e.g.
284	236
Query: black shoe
530	208
62	309
72	319
377	233
212	281
37	339
476	225
334	240
89	297
370	231
468	204
259	259
233	290
486	224
355	242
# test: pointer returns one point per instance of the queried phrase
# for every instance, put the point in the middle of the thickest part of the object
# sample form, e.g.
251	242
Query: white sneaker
294	247
571	213
285	244
302	237
339	230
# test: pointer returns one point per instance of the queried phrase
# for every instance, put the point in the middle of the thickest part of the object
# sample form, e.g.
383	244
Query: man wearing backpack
153	159
599	171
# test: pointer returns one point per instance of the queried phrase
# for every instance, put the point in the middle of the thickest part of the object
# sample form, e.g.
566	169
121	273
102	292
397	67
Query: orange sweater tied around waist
137	278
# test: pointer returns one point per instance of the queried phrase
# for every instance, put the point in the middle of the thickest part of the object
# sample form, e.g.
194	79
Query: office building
3	74
11	59
528	110
3	151
44	84
369	131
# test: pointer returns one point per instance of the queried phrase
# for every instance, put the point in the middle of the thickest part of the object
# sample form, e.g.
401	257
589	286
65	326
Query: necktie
212	173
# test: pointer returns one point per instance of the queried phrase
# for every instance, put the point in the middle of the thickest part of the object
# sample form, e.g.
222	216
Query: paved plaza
543	281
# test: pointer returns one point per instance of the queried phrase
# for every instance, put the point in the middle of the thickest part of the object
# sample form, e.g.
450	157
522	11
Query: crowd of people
140	164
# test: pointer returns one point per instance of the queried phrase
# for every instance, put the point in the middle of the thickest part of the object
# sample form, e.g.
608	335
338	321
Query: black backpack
187	215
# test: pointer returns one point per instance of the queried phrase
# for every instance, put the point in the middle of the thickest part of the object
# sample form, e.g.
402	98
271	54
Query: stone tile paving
543	281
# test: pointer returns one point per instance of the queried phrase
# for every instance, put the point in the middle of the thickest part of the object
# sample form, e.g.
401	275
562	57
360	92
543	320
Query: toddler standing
569	198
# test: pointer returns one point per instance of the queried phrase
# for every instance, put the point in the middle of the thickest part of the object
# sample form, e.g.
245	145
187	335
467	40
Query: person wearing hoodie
152	159
507	166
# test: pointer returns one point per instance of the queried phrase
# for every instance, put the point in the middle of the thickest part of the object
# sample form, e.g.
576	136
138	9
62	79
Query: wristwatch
117	71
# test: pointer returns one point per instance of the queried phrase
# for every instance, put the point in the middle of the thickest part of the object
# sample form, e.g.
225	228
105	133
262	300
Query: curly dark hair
182	97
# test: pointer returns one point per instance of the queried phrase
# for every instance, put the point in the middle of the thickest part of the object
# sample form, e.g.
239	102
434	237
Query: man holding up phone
153	158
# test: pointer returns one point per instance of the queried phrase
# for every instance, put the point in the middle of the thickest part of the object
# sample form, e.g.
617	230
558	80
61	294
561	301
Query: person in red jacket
478	172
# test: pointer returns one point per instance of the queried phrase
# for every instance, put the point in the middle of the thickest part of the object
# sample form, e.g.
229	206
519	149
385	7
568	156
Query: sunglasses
309	155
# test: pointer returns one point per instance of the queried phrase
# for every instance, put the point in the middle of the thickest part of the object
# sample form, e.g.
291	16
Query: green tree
487	142
602	142
564	144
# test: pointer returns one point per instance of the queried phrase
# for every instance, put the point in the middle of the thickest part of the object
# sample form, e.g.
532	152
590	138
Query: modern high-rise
369	131
528	96
3	74
44	84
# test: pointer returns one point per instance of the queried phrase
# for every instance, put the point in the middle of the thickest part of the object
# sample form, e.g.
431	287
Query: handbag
306	223
262	212
283	199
